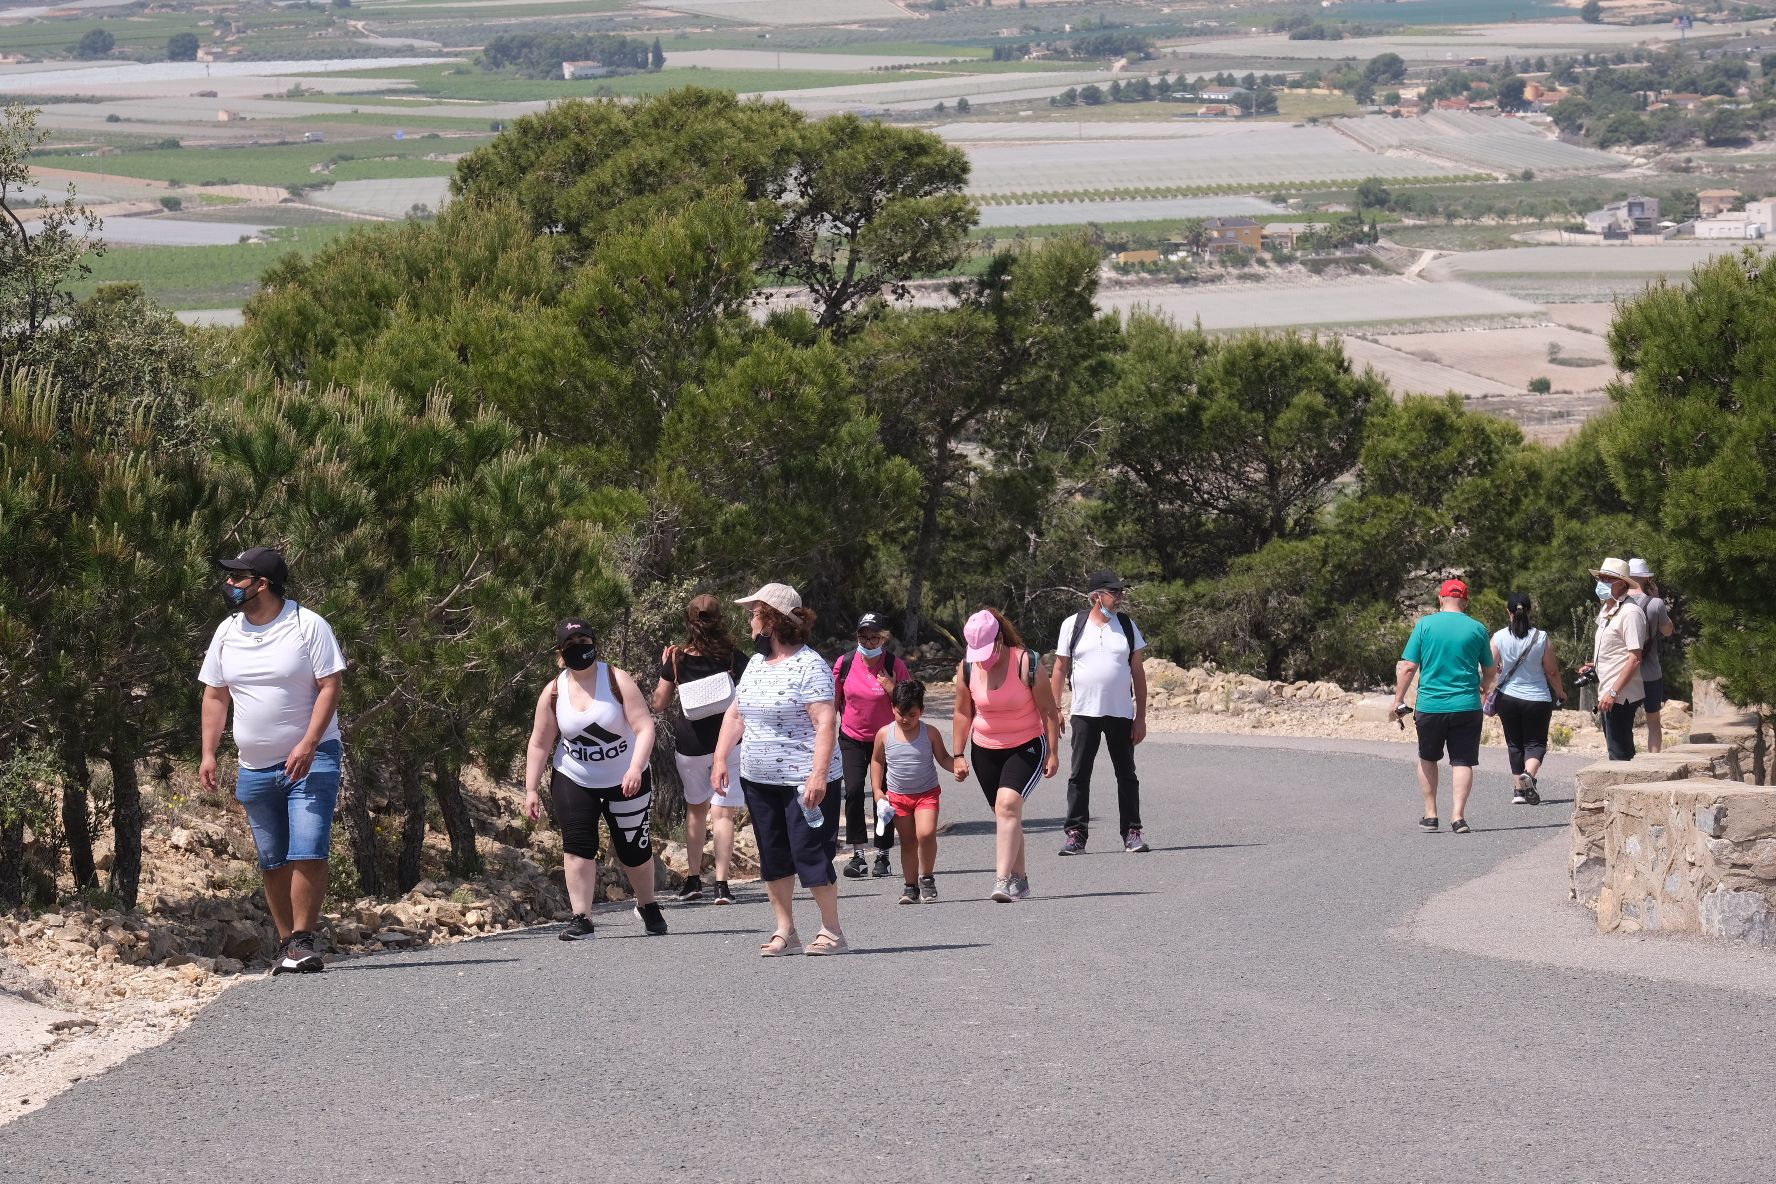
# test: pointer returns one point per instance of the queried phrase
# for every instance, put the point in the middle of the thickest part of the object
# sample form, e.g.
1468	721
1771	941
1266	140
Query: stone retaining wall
1681	841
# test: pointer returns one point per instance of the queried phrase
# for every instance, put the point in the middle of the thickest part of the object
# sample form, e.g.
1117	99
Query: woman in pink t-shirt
1004	706
864	679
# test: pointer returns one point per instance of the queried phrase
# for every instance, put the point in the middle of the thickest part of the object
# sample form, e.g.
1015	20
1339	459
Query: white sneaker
1020	887
1002	891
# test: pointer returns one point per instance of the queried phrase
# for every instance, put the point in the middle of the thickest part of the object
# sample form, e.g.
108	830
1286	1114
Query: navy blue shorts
1655	696
788	846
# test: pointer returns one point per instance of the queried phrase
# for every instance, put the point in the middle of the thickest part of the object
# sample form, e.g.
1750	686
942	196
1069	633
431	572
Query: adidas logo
595	744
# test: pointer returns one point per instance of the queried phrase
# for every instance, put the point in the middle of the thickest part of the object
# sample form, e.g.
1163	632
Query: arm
733	728
215	718
941	752
1551	672
1057	680
879	764
641	721
962	723
543	734
1051	724
826	738
663	690
326	703
1404	673
1138	668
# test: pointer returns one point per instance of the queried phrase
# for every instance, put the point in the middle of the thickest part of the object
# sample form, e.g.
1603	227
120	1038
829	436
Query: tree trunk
926	548
465	859
355	809
77	812
126	824
14	877
407	871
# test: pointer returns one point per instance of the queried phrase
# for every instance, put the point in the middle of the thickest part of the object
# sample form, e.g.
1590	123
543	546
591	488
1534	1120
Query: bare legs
721	824
1462	782
918	844
696	830
294	893
1008	812
1655	732
582	882
782	896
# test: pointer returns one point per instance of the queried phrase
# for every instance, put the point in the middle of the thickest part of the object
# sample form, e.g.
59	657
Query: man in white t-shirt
1101	651
277	664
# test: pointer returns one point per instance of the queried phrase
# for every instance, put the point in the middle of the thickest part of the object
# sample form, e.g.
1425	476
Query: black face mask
579	657
764	643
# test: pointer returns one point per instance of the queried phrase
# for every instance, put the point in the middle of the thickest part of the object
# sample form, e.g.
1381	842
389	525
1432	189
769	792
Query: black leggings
855	755
577	810
1525	722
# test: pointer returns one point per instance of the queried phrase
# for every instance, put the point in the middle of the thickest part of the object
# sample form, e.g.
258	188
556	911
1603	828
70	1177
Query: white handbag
704	697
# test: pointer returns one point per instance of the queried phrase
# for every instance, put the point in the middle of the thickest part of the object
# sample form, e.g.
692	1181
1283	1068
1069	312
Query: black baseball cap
570	627
1107	581
265	562
869	621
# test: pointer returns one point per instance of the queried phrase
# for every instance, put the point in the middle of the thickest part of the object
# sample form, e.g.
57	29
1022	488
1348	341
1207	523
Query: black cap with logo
570	627
869	622
265	562
1107	581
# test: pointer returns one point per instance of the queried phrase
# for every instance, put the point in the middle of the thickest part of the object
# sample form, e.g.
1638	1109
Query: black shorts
788	846
1655	696
1017	768
1460	730
577	810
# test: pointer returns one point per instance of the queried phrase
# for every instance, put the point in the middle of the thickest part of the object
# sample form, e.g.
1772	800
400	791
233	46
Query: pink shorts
907	804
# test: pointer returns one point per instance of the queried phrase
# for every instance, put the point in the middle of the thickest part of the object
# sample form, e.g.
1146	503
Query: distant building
226	116
1286	236
1619	219
1138	257
1764	214
1220	111
1683	100
1455	104
1717	201
1735	226
573	70
1231	234
1221	94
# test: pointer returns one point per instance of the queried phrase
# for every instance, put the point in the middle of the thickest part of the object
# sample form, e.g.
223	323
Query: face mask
871	651
579	657
763	643
236	597
1603	590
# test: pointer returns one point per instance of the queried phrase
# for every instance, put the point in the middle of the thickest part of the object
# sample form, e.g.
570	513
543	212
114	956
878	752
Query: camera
1585	678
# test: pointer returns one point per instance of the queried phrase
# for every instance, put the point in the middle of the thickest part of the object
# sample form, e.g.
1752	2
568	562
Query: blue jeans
292	820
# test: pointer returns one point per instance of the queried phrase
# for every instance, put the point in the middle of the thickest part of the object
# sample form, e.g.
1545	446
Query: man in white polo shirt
1102	653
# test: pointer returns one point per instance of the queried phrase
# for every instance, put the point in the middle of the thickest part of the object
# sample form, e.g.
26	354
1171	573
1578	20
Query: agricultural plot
1077	213
1334	302
1256	157
1450	45
1579	274
1511	357
1488	142
793	12
760	59
888	94
173	232
174	78
387	199
202	277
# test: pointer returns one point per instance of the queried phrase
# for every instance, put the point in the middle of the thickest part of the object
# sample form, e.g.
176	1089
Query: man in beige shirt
1616	655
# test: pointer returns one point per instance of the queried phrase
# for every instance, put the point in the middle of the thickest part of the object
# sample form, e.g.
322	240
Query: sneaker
1427	823
909	894
1001	891
693	888
1020	887
1075	844
1530	795
653	918
1133	843
722	893
1519	797
299	955
578	929
857	869
881	869
927	889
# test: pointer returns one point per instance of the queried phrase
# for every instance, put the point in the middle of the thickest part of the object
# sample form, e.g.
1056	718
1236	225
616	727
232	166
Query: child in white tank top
904	772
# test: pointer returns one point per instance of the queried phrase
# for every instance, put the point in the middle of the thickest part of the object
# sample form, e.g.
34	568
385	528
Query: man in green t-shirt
1451	654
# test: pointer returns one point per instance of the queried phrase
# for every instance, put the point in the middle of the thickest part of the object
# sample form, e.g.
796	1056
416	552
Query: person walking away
1102	654
708	667
1652	659
593	731
1007	715
790	769
864	679
1451	654
1616	647
1524	700
903	769
278	667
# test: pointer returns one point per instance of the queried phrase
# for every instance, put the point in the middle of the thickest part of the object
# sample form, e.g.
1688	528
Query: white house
1732	225
573	70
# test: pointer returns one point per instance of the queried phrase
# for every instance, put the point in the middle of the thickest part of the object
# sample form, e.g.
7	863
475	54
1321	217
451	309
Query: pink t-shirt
867	709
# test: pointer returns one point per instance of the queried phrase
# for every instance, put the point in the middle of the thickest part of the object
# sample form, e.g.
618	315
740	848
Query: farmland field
1583	274
1487	142
795	12
390	198
1074	213
286	164
203	277
1333	302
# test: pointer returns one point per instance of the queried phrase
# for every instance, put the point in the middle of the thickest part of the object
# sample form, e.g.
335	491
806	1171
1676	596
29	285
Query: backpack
1128	631
1029	675
845	670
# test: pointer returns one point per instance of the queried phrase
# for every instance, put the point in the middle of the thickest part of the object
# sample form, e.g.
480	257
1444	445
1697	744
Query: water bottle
812	815
884	817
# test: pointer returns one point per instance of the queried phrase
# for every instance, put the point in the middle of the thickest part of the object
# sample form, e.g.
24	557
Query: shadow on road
1090	895
1530	826
352	967
986	826
931	949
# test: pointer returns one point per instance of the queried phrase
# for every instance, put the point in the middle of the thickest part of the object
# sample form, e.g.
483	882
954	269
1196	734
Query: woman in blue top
1527	670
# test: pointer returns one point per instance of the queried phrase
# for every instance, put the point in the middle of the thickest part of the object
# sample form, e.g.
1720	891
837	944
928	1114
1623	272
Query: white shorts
693	774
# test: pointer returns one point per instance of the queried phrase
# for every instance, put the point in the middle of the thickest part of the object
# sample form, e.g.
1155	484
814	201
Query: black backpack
1029	675
1128	631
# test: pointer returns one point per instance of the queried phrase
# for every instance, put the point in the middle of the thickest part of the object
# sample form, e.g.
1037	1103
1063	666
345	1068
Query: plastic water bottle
812	815
884	817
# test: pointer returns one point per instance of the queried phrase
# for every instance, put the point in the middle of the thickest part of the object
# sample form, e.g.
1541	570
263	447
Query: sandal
827	942
1459	827
781	945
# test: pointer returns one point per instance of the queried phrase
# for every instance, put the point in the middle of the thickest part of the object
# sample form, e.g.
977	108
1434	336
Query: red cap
1453	588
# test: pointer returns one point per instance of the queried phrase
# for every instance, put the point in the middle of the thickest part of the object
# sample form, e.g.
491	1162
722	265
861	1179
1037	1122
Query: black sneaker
927	889
578	929
1529	791
857	869
909	894
881	869
1459	827
722	893
693	888
299	955
1427	823
653	919
1075	844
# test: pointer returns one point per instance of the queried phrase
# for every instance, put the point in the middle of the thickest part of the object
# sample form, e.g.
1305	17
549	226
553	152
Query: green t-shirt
1450	650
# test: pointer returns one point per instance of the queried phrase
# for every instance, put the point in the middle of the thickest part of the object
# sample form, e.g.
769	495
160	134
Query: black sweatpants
1118	735
1525	723
859	815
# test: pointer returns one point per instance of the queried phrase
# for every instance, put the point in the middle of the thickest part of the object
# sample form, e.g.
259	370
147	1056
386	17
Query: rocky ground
86	986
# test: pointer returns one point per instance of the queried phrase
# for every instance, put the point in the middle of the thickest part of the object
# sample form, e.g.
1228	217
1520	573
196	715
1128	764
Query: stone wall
1681	841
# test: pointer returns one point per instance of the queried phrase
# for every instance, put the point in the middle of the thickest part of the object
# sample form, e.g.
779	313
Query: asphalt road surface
1246	1002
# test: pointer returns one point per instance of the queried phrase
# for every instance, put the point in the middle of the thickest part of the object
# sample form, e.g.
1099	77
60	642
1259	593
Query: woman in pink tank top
1006	713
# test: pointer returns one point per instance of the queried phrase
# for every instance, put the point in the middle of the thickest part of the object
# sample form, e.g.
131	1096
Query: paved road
1246	1002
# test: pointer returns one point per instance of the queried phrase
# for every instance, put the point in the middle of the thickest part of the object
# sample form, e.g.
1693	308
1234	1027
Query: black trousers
1525	723
1118	735
860	815
1618	730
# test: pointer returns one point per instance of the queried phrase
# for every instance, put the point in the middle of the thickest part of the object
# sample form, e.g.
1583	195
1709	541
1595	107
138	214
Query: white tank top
594	748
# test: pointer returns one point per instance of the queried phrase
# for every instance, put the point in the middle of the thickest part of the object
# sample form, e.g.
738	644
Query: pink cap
980	633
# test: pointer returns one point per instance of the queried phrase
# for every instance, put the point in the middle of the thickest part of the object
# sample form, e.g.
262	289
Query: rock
394	938
1740	915
243	941
228	966
52	920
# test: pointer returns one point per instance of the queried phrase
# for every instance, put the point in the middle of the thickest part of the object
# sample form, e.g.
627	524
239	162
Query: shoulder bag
1489	705
704	697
